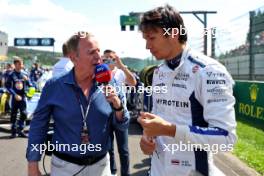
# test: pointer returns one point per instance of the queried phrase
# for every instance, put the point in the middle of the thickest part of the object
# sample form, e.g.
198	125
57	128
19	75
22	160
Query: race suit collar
174	62
182	56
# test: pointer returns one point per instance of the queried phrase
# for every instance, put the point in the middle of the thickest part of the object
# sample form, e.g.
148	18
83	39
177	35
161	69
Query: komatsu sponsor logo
216	91
173	103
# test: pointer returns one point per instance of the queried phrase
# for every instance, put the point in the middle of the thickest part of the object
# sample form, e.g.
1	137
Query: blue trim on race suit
201	158
191	59
209	131
197	112
201	162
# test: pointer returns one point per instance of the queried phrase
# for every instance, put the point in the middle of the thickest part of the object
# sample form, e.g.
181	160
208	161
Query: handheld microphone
103	74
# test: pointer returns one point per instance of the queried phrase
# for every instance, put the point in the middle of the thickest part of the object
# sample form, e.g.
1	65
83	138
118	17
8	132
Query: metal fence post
251	43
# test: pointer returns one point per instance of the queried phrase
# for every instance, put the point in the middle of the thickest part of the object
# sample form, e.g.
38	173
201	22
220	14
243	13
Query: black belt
87	160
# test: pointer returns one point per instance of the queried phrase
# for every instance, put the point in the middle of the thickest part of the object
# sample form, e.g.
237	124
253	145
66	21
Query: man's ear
72	56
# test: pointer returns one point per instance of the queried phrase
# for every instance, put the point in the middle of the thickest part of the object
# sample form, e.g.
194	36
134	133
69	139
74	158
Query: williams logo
253	90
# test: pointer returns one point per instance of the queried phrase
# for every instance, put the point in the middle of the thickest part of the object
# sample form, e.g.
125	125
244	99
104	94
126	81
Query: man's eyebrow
93	49
146	35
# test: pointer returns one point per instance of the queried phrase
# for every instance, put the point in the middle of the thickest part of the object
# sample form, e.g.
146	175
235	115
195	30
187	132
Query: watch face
121	108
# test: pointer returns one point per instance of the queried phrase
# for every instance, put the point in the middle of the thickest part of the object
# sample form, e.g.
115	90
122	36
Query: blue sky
60	19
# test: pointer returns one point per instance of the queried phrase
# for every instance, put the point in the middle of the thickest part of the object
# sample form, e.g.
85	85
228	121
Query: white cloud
40	19
46	19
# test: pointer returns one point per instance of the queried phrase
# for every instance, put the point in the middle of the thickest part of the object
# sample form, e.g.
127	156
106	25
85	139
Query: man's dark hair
17	59
8	65
64	50
163	17
108	51
36	64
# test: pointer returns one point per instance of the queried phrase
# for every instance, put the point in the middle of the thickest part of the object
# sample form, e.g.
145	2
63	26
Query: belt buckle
88	160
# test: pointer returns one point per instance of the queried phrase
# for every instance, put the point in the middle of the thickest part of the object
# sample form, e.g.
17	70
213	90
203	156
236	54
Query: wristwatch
121	108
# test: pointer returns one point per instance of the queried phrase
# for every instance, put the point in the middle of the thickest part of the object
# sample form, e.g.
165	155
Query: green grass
250	144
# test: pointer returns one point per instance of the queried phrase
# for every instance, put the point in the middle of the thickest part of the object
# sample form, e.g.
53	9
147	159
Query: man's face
19	66
9	67
159	45
109	59
87	57
36	66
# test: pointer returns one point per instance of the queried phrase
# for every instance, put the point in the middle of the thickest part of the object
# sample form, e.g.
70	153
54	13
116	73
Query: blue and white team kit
199	100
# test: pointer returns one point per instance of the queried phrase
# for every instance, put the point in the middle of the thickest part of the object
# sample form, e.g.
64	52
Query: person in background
123	76
5	103
17	84
9	69
35	73
64	65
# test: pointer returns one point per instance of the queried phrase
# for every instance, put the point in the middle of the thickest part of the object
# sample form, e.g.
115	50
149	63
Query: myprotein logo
172	103
216	81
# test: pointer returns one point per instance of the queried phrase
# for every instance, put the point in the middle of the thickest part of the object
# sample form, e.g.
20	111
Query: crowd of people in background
18	85
38	76
243	49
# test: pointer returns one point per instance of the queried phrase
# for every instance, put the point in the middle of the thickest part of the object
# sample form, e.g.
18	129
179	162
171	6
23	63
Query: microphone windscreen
103	73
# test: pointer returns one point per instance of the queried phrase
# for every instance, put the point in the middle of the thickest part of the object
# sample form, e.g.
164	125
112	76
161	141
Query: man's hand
18	97
154	125
33	169
130	79
119	63
147	145
111	97
25	78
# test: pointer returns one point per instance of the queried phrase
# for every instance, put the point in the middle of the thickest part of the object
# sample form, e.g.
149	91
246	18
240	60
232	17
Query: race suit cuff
181	131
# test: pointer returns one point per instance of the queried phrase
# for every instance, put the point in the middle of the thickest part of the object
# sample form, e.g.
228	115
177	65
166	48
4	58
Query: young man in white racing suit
195	117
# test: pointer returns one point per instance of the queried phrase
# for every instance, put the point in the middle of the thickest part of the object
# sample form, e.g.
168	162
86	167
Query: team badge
195	68
19	85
